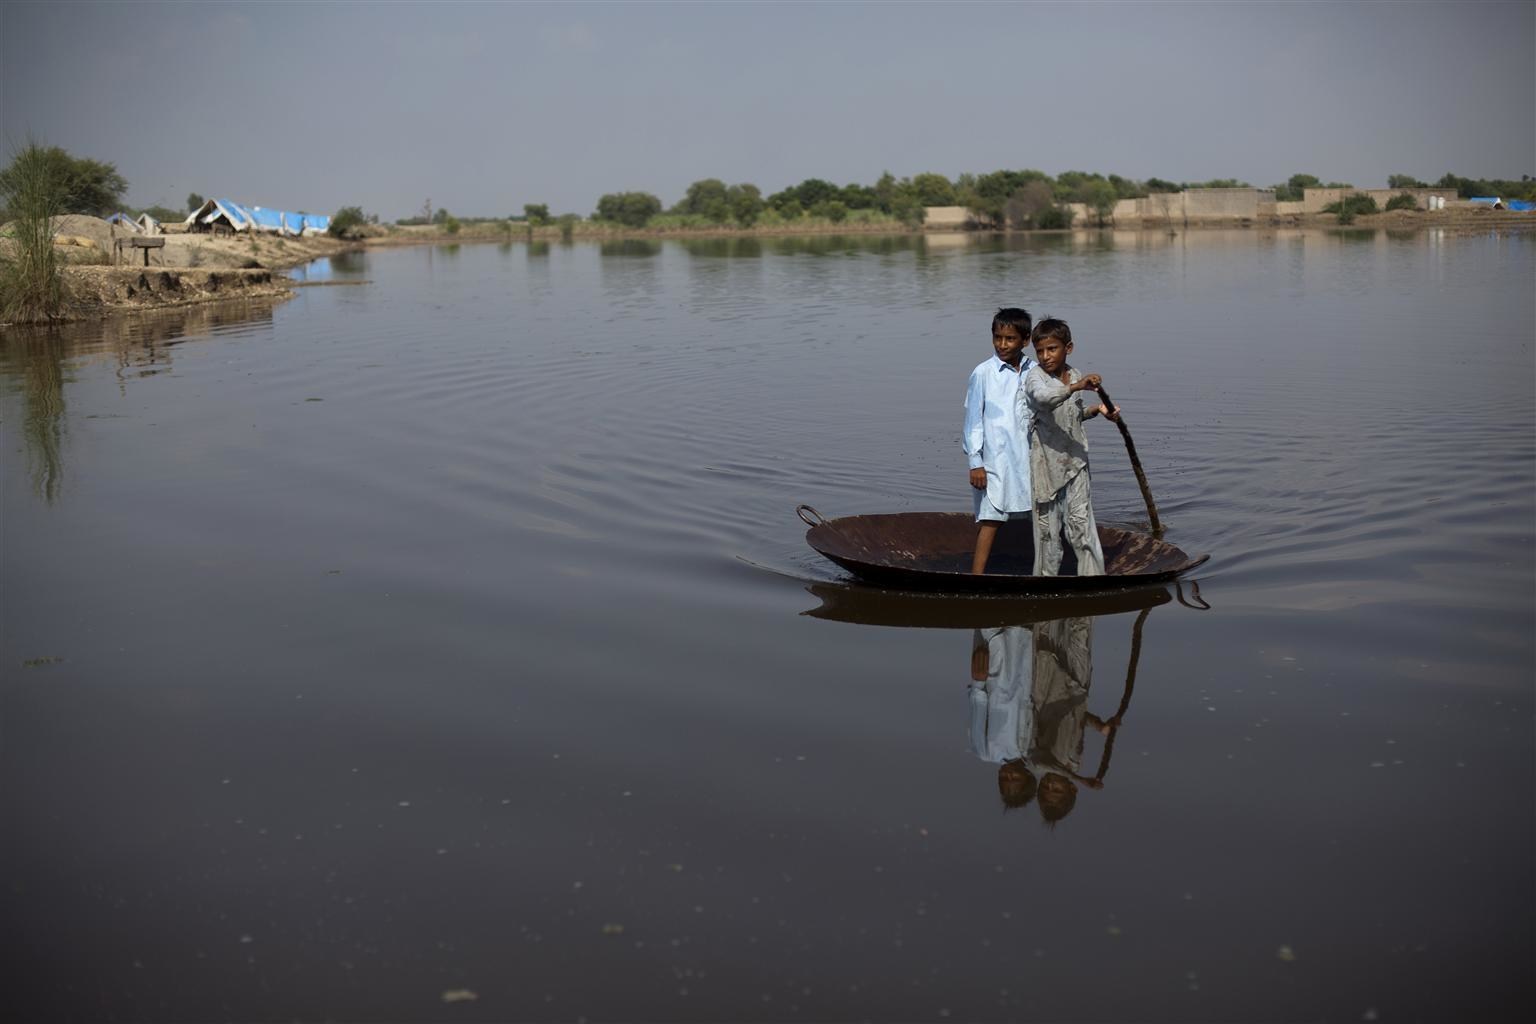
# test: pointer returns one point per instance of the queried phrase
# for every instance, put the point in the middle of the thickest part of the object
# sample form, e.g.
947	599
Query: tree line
1024	198
1021	199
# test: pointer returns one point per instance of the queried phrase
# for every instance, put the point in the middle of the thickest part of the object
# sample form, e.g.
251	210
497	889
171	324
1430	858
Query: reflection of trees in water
629	248
726	248
352	262
42	377
628	268
36	359
822	245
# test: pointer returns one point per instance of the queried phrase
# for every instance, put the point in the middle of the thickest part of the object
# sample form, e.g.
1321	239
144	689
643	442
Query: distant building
1313	200
946	217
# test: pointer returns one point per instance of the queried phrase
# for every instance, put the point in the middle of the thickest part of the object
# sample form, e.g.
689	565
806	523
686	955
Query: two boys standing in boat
1024	440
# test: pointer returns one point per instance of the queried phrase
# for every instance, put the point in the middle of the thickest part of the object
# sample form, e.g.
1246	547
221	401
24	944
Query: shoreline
188	270
1393	220
256	267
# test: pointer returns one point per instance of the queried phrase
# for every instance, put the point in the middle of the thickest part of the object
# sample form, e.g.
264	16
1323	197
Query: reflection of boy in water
1015	783
1063	671
1002	715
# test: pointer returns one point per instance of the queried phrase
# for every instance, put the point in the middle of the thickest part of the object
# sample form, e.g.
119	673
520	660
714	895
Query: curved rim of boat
867	605
930	551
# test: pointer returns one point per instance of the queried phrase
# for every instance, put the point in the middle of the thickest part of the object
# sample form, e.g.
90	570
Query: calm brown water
453	633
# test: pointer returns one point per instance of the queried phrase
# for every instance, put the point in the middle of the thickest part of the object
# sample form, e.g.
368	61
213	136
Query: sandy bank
188	269
98	291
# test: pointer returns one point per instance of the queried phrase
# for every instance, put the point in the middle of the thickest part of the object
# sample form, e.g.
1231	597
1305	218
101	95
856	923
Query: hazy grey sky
485	107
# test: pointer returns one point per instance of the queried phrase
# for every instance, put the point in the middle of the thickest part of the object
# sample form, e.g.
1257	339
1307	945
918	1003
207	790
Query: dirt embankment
96	291
101	277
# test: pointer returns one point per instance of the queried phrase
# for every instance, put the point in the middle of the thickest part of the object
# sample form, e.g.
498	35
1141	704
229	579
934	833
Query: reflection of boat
932	551
874	606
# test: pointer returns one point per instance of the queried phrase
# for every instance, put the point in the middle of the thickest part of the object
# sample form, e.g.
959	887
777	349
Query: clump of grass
31	286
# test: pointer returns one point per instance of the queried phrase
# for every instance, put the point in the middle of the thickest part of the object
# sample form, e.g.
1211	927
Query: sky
484	107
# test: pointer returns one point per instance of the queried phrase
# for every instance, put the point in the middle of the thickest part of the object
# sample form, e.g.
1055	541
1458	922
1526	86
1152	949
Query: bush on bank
35	192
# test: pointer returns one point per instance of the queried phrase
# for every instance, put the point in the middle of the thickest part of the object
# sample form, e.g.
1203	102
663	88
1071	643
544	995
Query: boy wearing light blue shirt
995	440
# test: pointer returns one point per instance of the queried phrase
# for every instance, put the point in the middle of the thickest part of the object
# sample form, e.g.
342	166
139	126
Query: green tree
834	210
1100	197
1295	187
860	197
1056	218
1026	206
194	202
745	202
705	198
1351	206
631	209
1403	181
804	196
1125	188
933	189
1069	185
1402	201
987	196
1507	188
441	216
87	186
1159	185
346	221
536	214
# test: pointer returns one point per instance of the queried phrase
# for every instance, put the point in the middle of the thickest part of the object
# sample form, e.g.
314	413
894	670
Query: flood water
446	646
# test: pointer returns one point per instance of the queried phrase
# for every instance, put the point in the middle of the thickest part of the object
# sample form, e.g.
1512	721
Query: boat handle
805	512
1194	588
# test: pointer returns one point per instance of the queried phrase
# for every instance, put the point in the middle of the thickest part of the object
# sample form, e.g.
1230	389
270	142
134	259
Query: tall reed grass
31	287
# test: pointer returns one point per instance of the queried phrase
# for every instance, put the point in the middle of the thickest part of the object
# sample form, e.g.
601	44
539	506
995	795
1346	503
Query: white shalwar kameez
995	438
1002	714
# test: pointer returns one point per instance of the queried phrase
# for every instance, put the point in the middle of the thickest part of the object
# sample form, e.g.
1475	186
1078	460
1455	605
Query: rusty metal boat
931	551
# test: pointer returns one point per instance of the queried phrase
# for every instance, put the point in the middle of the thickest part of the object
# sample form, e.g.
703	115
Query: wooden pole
1141	476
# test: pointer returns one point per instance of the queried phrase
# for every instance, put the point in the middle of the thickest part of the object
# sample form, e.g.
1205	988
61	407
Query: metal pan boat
932	551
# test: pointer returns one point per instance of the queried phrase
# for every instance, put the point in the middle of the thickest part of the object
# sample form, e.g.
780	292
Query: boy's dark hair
1050	327
1015	317
1015	784
1057	800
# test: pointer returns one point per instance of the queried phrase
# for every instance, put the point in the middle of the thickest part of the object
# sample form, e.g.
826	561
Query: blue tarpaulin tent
270	221
258	218
214	212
